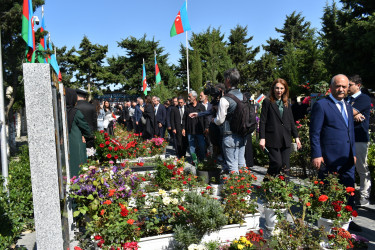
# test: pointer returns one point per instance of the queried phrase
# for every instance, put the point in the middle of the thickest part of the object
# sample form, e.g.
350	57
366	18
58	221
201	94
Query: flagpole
187	59
4	155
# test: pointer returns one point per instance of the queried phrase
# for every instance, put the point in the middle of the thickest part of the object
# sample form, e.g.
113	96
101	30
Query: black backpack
243	119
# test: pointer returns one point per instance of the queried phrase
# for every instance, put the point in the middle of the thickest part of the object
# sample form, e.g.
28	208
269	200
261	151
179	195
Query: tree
242	55
196	71
129	67
87	65
265	73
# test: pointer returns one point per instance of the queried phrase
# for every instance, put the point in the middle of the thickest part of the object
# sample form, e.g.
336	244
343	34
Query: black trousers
278	158
181	144
249	156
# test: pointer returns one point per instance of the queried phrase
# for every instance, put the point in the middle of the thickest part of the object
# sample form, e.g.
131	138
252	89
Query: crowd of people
339	127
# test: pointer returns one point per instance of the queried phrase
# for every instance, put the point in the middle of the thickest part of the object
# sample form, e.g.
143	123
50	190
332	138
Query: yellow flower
154	210
235	242
243	239
239	246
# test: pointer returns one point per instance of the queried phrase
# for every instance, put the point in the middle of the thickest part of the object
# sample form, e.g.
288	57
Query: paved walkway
366	217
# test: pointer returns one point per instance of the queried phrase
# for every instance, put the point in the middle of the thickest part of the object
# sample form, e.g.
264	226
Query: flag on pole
144	81
181	22
157	72
53	60
260	98
42	43
27	28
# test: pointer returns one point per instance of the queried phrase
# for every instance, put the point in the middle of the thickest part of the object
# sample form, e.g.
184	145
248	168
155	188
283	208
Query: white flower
162	191
192	247
174	191
166	200
174	201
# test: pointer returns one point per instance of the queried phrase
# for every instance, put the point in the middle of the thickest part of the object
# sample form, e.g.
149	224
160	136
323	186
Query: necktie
181	113
343	113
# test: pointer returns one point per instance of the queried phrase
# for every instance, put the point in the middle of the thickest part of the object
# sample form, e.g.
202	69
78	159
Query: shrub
17	214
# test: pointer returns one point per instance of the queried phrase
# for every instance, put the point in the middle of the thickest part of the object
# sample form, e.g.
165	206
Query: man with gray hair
195	127
160	117
332	136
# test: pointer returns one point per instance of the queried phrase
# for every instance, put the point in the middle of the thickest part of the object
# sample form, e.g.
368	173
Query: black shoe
355	227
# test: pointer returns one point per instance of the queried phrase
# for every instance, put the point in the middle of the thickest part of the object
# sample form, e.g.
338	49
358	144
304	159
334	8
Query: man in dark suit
332	136
361	104
138	115
89	112
160	117
125	117
204	100
181	141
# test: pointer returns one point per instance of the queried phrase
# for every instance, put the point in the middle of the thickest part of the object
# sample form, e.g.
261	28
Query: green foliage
161	91
260	158
196	71
243	55
87	63
202	215
16	212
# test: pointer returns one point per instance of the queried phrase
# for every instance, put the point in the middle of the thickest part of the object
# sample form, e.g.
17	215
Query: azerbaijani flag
144	81
181	23
27	28
157	73
42	43
260	98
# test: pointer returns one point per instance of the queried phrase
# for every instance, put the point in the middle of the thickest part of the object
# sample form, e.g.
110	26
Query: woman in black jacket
149	114
277	127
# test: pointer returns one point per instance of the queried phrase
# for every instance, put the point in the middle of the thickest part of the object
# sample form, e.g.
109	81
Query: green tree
242	55
88	65
196	71
265	73
129	67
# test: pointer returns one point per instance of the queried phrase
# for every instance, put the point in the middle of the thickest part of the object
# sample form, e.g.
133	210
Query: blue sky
107	22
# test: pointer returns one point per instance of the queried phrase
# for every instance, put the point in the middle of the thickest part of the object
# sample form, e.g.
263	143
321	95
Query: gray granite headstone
42	152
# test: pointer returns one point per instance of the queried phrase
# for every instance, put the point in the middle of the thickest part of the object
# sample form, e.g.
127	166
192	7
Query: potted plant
239	201
329	203
277	195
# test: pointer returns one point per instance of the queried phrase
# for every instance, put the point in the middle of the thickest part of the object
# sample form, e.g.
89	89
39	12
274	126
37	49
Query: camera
36	20
214	91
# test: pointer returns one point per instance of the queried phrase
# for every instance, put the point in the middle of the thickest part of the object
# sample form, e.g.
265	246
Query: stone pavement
366	216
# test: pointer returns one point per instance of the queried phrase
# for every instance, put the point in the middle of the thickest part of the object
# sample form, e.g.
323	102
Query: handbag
143	120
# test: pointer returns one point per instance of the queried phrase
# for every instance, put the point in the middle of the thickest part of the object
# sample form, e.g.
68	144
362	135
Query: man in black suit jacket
124	117
89	112
160	117
181	141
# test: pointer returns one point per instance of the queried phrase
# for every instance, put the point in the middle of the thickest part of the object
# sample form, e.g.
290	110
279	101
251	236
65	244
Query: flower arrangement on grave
276	192
237	195
208	164
329	198
99	184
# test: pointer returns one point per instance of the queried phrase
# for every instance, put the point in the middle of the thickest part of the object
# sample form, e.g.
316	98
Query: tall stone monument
48	196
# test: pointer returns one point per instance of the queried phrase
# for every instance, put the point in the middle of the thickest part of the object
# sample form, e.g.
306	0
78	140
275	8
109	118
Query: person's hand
262	144
206	131
136	123
183	132
142	109
317	162
193	115
359	117
299	145
83	139
160	125
355	160
174	131
169	128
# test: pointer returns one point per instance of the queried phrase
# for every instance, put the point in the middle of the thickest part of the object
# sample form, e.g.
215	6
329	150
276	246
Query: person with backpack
236	118
277	127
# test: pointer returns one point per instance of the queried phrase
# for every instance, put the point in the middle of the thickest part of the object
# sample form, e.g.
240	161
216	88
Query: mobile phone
323	167
266	151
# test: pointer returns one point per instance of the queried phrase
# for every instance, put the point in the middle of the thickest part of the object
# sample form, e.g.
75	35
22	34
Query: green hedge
17	214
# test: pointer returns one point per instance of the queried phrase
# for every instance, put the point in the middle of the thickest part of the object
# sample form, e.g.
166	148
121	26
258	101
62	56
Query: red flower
106	134
308	204
231	187
130	221
116	157
109	156
124	212
77	248
348	208
184	182
350	189
208	187
189	179
181	208
354	213
101	145
101	131
140	164
311	195
98	237
248	191
323	198
337	208
281	177
110	148
290	195
339	215
107	202
107	143
316	182
102	212
170	166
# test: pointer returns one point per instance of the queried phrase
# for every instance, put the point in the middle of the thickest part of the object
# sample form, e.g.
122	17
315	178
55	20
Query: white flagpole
187	59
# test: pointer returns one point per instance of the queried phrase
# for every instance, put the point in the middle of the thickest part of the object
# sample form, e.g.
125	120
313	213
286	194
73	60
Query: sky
108	22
